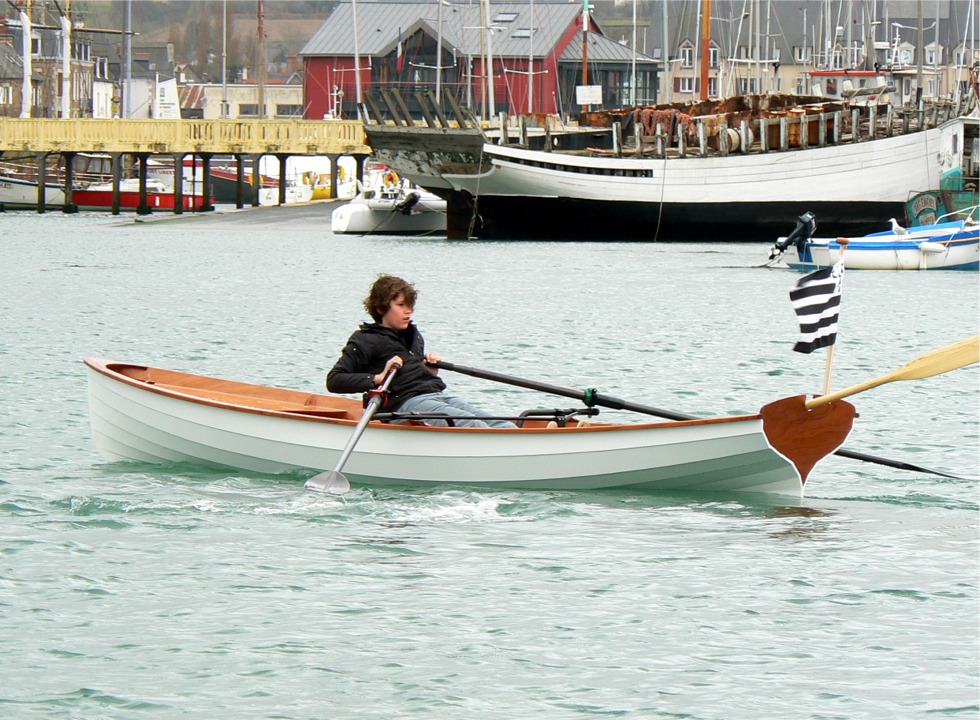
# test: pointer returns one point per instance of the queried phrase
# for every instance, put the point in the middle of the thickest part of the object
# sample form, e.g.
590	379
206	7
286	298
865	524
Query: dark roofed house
397	47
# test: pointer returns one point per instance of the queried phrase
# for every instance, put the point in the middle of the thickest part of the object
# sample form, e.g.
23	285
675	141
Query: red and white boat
159	196
155	415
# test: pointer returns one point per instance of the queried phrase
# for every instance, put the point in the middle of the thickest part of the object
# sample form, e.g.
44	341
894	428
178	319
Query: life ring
391	179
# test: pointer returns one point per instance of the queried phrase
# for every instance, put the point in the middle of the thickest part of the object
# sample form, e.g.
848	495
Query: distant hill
195	28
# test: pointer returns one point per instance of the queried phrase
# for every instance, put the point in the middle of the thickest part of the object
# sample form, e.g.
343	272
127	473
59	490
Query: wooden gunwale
312	407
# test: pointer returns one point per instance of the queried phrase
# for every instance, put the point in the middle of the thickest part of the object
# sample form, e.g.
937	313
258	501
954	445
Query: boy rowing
394	341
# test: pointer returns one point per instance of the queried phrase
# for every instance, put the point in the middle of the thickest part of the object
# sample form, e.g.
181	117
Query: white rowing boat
163	416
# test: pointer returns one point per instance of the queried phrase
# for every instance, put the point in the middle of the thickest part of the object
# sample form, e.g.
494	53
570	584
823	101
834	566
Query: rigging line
476	199
663	179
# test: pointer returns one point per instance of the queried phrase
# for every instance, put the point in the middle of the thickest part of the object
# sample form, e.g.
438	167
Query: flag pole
830	351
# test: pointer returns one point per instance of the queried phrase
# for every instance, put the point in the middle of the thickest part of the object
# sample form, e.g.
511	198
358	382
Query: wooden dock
242	139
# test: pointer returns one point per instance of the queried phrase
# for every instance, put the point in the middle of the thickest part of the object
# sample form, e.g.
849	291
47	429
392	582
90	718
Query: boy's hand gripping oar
332	481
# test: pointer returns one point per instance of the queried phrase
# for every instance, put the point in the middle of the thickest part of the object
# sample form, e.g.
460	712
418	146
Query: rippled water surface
129	590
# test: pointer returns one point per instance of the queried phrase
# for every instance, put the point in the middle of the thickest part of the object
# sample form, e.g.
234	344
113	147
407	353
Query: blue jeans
441	404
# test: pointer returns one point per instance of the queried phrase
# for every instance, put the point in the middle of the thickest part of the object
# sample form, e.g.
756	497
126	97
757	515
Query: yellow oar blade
952	357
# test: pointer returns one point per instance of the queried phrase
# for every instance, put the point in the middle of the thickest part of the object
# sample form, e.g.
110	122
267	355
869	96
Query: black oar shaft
594	398
864	457
589	398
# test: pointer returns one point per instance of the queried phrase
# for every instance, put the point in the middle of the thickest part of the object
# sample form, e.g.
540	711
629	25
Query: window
505	17
713	87
289	111
687	55
713	56
248	110
6	95
685	84
801	54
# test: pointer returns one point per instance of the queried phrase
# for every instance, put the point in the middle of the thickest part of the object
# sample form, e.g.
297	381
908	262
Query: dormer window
687	54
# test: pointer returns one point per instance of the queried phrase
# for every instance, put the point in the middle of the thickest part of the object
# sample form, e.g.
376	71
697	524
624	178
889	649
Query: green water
131	591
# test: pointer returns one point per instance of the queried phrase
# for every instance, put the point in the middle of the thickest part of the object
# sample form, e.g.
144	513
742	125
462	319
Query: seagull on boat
897	229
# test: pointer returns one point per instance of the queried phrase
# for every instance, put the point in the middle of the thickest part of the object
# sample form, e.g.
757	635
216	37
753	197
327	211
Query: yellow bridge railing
290	137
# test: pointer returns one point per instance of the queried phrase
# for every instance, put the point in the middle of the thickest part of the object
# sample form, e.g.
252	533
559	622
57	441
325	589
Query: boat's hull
924	249
16	194
361	216
518	193
129	200
161	423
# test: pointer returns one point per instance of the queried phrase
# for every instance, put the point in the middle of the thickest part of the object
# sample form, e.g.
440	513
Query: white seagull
897	229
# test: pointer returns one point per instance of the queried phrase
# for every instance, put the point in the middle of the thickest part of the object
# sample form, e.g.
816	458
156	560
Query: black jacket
365	355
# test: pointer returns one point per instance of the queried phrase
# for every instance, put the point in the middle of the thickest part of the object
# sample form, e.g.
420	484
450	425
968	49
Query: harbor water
134	591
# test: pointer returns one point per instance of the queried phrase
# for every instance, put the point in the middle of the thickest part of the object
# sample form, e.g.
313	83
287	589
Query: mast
488	69
27	94
261	63
918	57
224	59
65	61
585	42
633	60
530	65
705	45
128	55
357	59
667	80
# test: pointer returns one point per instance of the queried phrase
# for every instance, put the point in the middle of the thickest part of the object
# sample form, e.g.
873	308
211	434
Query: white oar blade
328	482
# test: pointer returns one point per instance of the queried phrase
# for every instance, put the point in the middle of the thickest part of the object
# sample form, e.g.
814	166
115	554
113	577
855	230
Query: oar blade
952	357
331	482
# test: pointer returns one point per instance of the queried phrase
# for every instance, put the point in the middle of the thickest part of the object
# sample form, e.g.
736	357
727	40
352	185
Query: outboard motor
410	201
806	226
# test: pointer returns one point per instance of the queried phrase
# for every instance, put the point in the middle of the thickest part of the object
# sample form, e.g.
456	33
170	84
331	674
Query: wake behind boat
155	415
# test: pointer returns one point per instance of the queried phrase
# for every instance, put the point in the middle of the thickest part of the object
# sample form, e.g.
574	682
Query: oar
591	397
332	481
952	357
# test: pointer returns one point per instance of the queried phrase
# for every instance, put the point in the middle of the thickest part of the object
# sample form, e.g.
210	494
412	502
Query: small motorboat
952	243
155	415
391	206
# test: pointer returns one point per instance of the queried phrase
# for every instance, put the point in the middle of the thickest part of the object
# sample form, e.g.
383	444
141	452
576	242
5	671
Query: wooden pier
241	139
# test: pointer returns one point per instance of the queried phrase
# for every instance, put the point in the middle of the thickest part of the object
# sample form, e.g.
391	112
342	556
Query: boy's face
399	313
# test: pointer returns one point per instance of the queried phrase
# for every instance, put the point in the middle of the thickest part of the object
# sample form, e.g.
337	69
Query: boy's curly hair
385	289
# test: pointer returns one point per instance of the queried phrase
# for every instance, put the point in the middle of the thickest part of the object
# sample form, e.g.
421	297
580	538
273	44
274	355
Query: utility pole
261	63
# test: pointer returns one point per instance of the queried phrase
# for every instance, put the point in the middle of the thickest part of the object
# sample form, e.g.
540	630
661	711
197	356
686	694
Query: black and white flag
816	300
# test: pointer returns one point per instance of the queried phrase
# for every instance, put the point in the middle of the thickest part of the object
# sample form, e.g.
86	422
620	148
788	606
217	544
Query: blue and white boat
952	243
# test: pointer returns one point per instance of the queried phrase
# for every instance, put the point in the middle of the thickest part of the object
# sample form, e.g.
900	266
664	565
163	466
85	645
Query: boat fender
391	178
410	201
931	248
